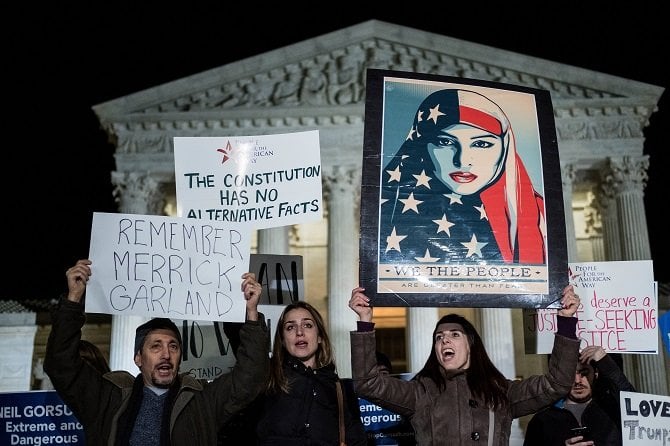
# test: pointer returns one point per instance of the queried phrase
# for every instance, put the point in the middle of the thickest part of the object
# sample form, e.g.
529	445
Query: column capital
138	192
626	174
346	179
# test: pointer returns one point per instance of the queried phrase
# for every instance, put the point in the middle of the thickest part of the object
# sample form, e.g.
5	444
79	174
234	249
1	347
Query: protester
159	406
460	396
593	404
87	350
300	405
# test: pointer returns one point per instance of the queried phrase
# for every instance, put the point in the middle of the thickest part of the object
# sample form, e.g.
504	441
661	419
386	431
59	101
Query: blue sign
664	326
37	417
384	427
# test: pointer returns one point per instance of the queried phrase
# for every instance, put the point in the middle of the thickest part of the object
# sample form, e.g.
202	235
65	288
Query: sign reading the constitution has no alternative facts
156	266
263	181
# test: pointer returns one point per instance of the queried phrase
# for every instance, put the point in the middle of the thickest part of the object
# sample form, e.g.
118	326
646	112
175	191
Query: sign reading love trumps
645	419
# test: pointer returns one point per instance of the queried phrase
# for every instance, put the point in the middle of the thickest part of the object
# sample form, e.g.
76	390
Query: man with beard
159	406
592	405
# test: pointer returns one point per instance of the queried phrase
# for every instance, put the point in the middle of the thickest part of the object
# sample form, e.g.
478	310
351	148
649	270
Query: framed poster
461	196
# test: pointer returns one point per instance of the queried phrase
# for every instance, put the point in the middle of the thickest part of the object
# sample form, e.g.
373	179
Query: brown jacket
454	416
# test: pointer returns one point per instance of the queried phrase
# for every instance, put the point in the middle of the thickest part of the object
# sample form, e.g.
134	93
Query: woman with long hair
300	405
459	395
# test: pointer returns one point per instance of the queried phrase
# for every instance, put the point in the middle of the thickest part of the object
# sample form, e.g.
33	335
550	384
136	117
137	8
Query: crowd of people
294	396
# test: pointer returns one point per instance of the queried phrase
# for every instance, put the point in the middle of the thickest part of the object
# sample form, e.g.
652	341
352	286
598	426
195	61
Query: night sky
62	62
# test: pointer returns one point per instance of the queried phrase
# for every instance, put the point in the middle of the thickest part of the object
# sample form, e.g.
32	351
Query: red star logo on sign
226	152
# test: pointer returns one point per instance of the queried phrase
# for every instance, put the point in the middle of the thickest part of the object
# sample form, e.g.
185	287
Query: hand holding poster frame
461	199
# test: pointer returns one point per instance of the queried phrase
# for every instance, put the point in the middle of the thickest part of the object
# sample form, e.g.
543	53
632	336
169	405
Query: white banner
645	419
264	181
618	311
158	266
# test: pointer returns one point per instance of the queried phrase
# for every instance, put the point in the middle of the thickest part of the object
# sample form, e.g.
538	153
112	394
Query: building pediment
329	70
320	84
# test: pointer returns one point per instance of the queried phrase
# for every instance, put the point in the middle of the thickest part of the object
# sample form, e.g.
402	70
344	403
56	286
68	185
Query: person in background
593	404
159	406
300	404
459	395
385	365
87	350
90	353
387	429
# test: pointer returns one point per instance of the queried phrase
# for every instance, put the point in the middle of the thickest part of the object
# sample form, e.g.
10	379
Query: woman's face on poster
466	158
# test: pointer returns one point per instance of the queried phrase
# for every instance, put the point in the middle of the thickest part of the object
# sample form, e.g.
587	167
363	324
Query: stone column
139	193
498	338
273	241
420	325
597	247
610	223
627	178
136	193
342	186
17	342
567	177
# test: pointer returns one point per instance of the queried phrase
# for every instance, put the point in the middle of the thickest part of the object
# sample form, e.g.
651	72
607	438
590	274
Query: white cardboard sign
264	181
156	266
618	310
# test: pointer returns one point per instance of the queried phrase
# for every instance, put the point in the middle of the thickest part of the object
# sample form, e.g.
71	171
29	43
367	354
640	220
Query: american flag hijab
423	220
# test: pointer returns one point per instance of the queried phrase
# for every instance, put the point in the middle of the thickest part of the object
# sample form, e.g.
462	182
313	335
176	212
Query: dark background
61	62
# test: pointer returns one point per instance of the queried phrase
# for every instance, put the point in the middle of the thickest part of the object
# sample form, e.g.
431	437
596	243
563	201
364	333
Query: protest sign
664	324
37	417
266	180
281	277
434	234
645	419
384	427
158	266
208	348
618	310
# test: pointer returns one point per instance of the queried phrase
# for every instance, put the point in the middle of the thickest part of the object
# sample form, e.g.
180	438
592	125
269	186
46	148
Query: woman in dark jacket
300	406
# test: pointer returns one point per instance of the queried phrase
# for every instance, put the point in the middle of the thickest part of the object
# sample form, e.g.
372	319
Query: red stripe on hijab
478	118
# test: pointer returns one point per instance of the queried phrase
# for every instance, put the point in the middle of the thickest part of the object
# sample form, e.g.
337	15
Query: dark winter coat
200	408
454	415
602	416
308	414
